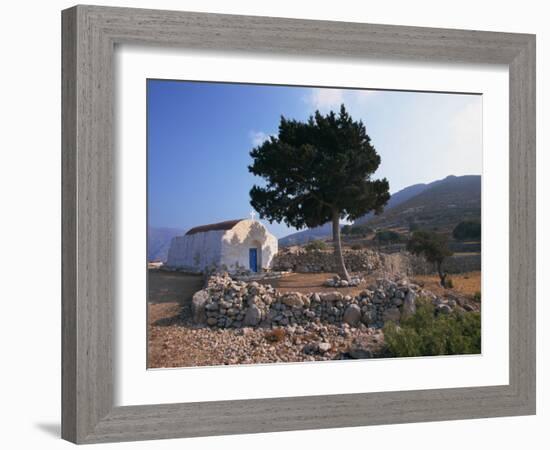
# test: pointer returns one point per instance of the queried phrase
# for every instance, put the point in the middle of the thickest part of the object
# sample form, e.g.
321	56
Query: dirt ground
464	283
313	282
172	286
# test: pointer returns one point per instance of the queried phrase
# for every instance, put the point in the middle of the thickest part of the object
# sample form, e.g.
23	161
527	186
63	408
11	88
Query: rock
396	301
359	353
392	314
468	307
198	309
212	321
324	347
310	348
253	316
444	309
352	315
344	283
330	296
293	299
254	300
369	317
409	305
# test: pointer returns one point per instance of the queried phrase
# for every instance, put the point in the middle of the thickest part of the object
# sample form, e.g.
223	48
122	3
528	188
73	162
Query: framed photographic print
277	224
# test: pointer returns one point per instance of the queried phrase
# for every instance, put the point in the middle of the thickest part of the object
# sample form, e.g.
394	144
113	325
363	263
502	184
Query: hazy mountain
158	242
440	203
307	235
399	197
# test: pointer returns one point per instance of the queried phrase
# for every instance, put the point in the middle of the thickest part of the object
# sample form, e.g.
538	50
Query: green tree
434	247
387	236
467	229
316	172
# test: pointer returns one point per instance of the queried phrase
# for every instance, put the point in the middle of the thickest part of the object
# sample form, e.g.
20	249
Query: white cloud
326	99
258	137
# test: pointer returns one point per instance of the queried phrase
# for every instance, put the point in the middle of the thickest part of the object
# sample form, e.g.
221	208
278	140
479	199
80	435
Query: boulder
330	296
409	305
293	299
369	317
352	315
253	316
324	347
198	304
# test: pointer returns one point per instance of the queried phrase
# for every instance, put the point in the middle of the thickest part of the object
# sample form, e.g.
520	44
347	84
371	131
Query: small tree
467	229
318	171
387	236
434	247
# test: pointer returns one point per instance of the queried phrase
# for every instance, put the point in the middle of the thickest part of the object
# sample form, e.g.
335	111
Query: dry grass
275	335
464	283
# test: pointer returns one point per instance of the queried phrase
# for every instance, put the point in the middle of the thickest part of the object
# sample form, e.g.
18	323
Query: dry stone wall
226	303
300	260
368	261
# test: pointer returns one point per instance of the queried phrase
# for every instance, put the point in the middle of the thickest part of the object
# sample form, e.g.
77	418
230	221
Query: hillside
396	199
301	237
441	204
158	242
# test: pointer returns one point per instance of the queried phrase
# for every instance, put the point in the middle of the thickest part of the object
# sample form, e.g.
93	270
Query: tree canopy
317	167
467	229
316	172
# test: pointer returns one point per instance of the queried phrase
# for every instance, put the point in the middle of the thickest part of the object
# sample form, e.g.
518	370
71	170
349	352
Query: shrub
387	236
467	229
315	245
275	335
429	334
477	296
356	230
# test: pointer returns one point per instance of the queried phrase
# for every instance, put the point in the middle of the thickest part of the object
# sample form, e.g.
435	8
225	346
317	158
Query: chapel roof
226	225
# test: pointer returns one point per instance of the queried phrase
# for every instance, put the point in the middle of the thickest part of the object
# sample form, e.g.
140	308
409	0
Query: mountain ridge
411	197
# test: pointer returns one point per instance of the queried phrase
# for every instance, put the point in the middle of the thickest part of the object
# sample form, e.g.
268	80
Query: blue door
253	259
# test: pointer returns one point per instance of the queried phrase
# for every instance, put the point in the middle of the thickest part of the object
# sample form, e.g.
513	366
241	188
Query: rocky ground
174	341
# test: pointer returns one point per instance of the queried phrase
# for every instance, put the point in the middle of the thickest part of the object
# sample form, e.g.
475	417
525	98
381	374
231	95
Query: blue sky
200	135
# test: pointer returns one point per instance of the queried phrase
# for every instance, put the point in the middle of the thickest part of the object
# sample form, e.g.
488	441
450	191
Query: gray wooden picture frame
90	34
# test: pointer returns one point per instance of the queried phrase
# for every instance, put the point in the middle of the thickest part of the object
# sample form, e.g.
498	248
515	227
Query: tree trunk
338	247
442	275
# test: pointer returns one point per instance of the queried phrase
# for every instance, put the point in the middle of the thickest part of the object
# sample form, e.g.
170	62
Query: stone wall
367	261
300	260
226	303
408	264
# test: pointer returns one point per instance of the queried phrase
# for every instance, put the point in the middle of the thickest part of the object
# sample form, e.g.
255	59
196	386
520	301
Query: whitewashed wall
245	235
219	248
197	251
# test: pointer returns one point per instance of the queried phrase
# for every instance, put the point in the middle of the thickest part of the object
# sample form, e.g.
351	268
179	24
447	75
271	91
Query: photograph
297	224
